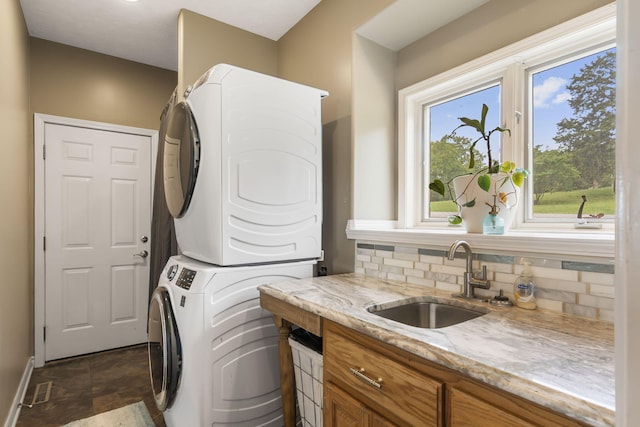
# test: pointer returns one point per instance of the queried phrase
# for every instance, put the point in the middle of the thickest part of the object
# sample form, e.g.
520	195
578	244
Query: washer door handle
142	254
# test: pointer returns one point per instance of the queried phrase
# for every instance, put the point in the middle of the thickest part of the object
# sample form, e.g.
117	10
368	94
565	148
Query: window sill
592	245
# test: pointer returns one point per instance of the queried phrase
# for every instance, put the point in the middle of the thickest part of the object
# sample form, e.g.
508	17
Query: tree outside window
574	136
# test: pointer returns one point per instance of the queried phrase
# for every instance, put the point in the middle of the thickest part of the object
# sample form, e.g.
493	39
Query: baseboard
14	411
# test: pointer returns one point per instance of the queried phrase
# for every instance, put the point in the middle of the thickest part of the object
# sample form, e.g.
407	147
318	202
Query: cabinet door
341	410
477	406
467	410
379	421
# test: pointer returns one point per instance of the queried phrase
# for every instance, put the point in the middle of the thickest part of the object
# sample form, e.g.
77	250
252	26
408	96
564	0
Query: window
448	154
572	135
556	93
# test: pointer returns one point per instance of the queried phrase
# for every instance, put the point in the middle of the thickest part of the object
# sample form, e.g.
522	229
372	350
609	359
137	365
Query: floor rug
134	415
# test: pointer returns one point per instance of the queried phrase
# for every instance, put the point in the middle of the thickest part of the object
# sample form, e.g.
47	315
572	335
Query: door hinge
44	152
44	333
44	243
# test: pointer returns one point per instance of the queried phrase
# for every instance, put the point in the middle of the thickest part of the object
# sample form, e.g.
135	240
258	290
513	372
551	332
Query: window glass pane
573	131
449	154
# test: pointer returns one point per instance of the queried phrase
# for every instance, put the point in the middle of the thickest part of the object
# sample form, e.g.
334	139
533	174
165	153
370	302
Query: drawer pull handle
360	374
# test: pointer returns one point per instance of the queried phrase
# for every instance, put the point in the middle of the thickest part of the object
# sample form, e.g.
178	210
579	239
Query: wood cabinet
471	403
381	382
468	410
340	409
371	383
343	410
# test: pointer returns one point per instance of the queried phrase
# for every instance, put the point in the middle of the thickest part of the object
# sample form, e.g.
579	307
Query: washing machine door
165	357
181	159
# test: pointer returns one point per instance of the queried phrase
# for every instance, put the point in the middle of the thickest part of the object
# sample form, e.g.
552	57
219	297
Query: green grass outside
599	200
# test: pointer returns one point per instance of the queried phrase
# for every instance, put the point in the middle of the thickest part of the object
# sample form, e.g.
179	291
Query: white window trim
557	245
543	237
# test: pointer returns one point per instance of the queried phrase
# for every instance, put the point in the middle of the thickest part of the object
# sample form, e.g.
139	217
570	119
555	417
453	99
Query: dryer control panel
185	280
171	273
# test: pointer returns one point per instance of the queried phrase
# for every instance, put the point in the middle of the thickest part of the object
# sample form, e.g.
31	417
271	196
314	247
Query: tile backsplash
564	286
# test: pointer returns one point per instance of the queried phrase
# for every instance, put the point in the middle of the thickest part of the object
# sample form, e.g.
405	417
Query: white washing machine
243	169
213	351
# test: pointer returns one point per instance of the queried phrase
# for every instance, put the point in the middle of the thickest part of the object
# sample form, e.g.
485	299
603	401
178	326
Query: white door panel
97	208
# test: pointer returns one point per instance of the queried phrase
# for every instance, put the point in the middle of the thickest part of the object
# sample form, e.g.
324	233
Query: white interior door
97	222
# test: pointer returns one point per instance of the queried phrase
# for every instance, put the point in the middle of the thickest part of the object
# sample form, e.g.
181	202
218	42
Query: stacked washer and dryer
243	181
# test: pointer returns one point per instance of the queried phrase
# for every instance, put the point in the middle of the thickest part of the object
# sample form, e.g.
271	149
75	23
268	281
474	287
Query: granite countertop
562	362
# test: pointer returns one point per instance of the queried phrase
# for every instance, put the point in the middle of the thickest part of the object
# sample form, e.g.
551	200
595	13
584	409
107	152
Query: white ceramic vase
466	189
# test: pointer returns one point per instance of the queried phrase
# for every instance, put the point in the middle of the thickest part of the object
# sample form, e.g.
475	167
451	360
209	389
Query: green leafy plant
513	174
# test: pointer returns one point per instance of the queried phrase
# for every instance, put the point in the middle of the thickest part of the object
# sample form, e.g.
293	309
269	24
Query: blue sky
551	99
550	105
444	117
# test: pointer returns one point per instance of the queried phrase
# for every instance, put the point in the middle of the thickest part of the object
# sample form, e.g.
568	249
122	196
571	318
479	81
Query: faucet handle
480	282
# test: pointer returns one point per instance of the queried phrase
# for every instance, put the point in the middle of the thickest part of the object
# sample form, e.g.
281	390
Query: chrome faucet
470	282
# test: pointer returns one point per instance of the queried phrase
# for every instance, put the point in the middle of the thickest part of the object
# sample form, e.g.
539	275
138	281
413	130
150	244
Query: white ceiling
146	31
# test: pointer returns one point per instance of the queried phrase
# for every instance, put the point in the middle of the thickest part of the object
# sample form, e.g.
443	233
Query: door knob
142	254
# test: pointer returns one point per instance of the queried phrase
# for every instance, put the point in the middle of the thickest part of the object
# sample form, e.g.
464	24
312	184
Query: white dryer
213	351
243	169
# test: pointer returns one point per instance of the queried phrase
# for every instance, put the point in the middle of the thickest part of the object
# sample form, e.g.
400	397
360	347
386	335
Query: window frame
426	130
508	65
539	63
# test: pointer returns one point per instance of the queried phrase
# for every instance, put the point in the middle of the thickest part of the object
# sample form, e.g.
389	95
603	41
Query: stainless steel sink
426	314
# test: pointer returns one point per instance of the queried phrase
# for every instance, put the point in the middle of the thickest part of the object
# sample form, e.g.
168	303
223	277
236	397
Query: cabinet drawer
386	385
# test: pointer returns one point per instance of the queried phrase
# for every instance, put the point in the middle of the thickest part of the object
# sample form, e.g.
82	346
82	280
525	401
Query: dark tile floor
88	385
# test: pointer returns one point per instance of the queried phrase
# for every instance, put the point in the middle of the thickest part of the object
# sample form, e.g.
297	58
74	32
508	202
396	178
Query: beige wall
496	24
374	131
15	192
45	77
318	52
71	82
204	42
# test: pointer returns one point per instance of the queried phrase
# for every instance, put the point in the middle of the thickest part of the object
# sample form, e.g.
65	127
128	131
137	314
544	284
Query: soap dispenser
524	289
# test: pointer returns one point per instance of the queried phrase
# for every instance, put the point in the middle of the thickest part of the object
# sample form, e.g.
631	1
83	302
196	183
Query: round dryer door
165	356
181	159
